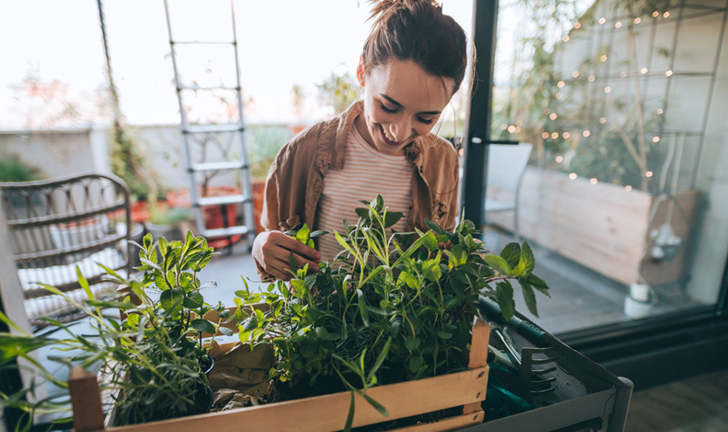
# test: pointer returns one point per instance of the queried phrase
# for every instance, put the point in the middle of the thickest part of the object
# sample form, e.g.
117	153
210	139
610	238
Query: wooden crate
602	226
326	413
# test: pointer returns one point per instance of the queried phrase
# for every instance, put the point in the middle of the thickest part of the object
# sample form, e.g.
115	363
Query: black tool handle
490	310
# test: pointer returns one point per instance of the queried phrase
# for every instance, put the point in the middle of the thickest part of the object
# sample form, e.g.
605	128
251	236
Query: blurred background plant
339	90
12	169
265	143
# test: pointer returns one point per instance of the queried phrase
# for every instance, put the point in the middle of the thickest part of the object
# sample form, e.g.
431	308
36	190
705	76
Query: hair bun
381	8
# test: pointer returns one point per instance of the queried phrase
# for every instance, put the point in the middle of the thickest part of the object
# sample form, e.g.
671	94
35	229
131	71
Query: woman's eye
387	110
425	121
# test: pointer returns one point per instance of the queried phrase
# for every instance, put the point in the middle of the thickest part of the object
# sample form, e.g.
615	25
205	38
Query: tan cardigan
296	178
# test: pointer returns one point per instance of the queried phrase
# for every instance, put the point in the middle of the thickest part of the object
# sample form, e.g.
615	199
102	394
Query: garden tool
542	354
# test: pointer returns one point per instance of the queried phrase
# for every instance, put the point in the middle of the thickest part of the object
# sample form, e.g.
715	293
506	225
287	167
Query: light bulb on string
545	135
554	135
592	78
586	133
560	84
575	74
602	20
572	176
637	20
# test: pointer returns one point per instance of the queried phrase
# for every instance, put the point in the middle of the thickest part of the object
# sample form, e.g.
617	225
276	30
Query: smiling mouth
387	140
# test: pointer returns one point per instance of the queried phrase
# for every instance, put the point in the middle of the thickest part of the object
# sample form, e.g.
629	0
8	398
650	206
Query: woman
412	63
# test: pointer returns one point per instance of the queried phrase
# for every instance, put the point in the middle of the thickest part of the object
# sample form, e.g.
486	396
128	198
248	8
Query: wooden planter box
602	226
322	413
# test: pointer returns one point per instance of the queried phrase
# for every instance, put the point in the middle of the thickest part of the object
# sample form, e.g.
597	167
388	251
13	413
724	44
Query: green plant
12	169
153	360
162	214
265	143
339	90
391	307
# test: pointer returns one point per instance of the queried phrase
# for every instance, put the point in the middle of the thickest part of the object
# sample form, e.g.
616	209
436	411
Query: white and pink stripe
366	174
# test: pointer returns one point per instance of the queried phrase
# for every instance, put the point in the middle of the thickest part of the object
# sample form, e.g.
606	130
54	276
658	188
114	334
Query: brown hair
416	30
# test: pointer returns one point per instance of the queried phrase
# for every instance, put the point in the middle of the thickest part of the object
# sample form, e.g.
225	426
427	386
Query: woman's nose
400	131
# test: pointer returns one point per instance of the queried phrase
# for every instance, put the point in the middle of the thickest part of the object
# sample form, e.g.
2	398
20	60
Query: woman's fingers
277	249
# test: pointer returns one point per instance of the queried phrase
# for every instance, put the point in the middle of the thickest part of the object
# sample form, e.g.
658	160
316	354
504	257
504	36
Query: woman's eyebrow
394	102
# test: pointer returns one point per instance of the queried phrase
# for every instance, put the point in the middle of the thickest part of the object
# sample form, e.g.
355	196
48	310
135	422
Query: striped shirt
366	174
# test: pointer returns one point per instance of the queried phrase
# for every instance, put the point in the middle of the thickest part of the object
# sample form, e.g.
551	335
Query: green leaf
409	279
430	241
415	363
504	297
226	331
363	309
527	263
444	335
434	227
392	218
431	269
203	325
411	342
193	300
148	240
350	417
84	284
251	323
303	234
317	233
377	406
363	213
512	254
380	359
171	301
529	296
539	284
498	264
396	325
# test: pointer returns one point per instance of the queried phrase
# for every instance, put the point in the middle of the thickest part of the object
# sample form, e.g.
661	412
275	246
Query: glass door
619	107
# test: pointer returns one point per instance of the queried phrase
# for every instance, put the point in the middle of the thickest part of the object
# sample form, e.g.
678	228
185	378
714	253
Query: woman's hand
272	250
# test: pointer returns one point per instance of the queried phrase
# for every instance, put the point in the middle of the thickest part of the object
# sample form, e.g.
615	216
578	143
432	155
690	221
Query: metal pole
485	18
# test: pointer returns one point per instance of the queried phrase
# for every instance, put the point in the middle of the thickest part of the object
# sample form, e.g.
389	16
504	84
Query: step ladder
188	130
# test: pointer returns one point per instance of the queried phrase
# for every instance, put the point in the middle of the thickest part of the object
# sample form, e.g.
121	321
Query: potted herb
388	309
153	359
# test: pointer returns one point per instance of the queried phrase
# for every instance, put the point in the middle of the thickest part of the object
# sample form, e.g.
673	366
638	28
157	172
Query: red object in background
215	216
140	212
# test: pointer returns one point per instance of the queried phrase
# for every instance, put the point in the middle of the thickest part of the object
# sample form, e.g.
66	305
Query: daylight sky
281	43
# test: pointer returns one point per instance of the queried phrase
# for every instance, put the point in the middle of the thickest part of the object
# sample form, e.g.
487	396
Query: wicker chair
59	224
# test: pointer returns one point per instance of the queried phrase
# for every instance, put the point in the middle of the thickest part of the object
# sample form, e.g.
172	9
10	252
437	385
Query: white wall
59	152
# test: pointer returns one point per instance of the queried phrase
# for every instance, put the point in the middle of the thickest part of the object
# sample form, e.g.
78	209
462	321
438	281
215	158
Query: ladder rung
220	200
203	42
206	88
213	128
215	166
224	232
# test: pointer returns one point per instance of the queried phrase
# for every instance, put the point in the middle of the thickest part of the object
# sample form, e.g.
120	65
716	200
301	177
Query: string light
615	182
559	159
547	111
554	135
511	129
637	20
655	139
558	95
518	129
648	174
628	188
666	14
592	78
655	14
603	120
607	89
545	135
668	73
603	58
593	181
566	135
623	74
660	111
575	74
577	25
618	24
565	38
586	133
553	116
461	152
572	176
643	70
561	84
602	20
519	123
504	126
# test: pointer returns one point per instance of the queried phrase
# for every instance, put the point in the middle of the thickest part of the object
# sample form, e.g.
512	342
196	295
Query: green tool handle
491	311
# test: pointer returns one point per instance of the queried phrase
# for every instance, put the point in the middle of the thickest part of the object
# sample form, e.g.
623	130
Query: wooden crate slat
447	424
329	412
478	357
85	400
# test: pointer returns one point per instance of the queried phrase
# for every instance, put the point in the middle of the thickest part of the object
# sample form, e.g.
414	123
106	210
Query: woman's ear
360	73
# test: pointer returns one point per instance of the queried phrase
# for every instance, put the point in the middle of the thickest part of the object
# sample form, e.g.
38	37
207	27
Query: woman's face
401	102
